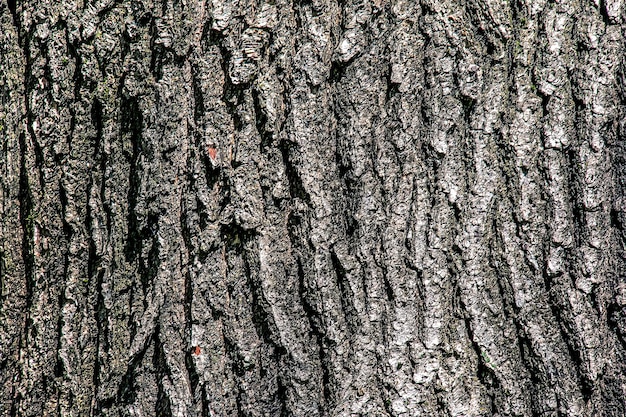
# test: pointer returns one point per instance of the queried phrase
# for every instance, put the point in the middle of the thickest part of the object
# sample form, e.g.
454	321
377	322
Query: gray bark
312	208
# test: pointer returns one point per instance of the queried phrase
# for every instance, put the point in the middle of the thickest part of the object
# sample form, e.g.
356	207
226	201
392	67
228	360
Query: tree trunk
312	208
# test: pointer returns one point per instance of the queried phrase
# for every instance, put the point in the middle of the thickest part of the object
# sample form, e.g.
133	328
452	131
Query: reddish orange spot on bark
212	152
196	350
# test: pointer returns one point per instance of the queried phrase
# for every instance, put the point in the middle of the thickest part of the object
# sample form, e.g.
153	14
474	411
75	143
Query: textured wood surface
312	208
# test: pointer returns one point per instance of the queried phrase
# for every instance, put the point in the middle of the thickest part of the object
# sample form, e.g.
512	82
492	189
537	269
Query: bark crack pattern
312	208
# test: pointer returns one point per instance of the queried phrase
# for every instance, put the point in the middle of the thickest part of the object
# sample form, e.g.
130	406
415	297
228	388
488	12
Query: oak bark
312	208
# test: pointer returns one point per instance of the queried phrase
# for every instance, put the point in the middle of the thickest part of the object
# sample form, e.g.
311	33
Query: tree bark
312	208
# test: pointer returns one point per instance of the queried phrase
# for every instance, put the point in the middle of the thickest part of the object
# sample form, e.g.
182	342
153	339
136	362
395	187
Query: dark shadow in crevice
12	4
163	405
98	123
261	122
131	122
27	223
317	334
126	392
575	192
392	87
282	398
605	13
486	375
468	104
568	335
296	187
347	296
616	320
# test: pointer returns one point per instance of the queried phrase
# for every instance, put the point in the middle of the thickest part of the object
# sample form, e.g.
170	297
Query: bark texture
312	208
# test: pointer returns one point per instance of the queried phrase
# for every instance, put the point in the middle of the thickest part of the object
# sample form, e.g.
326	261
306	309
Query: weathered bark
312	208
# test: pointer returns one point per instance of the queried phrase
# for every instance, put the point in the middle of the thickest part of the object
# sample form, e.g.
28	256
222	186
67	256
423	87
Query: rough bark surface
312	208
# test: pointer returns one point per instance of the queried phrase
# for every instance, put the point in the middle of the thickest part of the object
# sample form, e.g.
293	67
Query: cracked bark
313	208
